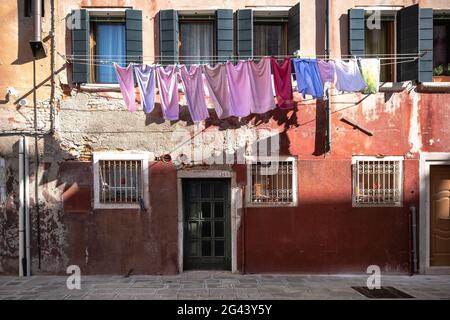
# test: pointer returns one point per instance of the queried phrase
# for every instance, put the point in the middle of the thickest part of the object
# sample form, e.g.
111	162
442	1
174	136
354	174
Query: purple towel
126	83
348	76
145	76
240	89
327	71
217	83
261	86
195	95
168	91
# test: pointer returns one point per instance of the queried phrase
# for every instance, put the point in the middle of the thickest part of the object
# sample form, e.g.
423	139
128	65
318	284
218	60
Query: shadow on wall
24	33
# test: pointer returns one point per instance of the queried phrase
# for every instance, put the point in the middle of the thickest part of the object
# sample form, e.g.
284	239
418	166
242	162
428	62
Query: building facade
85	182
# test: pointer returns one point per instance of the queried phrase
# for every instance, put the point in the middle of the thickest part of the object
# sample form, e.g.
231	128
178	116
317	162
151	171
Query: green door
207	242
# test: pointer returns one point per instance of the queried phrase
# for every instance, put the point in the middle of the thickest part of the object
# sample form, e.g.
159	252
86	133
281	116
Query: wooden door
440	216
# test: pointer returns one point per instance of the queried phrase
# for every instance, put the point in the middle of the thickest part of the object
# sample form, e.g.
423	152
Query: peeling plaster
414	137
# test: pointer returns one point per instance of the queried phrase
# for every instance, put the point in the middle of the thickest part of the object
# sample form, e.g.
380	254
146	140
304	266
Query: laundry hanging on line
126	84
195	95
245	88
168	91
308	78
145	76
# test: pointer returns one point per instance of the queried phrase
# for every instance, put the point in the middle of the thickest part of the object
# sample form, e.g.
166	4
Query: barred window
272	182
120	180
377	182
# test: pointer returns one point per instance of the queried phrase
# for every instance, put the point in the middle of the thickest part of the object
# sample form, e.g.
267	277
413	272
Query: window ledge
270	205
119	206
438	87
394	86
100	87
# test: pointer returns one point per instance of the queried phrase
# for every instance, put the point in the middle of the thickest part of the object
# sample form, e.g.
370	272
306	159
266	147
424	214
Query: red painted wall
117	241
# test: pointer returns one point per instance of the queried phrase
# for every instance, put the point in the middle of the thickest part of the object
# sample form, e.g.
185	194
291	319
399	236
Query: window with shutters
120	180
272	182
377	181
106	43
267	31
196	39
441	43
381	42
101	37
270	36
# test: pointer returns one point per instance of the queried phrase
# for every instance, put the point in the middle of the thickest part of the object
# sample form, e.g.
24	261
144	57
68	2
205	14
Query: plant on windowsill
441	73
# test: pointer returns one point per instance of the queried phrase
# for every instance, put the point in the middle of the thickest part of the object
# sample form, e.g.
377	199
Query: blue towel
308	77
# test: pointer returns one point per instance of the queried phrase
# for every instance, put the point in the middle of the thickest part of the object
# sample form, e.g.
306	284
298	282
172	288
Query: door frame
428	159
235	199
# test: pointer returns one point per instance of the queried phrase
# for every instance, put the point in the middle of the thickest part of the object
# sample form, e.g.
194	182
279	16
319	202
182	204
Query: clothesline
110	64
254	56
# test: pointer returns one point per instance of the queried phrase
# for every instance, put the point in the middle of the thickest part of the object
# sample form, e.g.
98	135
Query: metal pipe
327	55
21	209
24	216
37	15
414	239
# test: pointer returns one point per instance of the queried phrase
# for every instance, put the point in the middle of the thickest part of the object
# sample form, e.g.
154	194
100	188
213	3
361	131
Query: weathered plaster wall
323	234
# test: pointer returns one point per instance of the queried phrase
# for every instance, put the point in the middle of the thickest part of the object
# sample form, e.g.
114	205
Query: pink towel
168	91
126	83
217	84
240	89
261	86
195	95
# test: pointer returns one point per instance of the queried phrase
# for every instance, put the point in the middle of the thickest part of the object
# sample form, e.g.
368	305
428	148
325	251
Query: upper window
272	182
441	44
107	43
120	180
196	40
377	181
269	37
381	41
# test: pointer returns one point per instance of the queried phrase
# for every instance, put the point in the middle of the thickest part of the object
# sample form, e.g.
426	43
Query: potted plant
441	73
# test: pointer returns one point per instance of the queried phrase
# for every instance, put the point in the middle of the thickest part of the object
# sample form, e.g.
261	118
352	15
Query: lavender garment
327	71
145	76
168	91
261	86
241	99
348	76
195	95
126	83
217	84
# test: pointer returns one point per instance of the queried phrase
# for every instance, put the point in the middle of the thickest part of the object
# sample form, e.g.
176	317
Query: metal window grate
378	182
120	181
272	182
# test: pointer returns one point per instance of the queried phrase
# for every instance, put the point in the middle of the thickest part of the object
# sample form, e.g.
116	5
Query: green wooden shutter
168	36
80	47
426	45
356	32
245	33
133	26
294	29
415	35
224	34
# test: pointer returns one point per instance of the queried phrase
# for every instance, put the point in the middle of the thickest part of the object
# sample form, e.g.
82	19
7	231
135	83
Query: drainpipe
24	216
37	46
327	107
412	213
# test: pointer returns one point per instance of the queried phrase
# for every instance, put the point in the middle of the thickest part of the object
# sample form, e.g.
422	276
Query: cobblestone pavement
217	285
